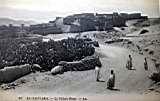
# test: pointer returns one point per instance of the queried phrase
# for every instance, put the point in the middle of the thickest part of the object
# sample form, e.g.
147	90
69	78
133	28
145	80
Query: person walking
111	80
145	64
129	63
97	72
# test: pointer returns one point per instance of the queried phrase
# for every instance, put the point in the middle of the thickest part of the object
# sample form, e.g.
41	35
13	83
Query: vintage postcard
79	50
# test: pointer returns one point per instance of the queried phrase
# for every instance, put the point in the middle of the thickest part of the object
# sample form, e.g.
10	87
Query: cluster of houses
85	22
46	28
99	22
74	23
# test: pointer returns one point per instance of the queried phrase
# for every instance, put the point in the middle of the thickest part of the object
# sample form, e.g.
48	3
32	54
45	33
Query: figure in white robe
97	72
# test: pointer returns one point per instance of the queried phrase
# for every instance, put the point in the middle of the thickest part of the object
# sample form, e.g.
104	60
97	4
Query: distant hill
7	21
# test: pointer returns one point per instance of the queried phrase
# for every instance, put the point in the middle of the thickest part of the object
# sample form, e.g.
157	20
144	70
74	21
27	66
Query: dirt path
79	83
128	81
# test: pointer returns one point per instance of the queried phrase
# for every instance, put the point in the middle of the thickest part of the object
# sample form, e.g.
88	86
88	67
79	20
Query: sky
45	10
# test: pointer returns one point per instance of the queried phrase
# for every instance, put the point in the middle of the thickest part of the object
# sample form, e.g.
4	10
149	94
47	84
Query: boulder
36	67
57	70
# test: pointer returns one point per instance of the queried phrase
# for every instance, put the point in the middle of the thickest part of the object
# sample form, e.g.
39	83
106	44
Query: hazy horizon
45	10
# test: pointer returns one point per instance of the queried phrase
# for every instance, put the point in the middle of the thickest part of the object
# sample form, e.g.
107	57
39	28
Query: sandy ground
80	83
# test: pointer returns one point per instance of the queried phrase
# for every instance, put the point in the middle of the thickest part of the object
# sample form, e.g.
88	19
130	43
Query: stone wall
9	74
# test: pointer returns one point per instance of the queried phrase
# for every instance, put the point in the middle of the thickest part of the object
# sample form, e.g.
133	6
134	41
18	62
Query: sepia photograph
79	50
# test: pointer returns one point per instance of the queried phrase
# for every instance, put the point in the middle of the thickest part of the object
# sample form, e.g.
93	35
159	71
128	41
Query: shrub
46	54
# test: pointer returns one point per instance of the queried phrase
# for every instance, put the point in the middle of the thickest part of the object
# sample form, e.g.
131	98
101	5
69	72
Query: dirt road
79	83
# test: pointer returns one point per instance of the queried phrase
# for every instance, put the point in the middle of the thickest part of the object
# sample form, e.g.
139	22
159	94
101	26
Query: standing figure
111	80
97	72
129	63
145	64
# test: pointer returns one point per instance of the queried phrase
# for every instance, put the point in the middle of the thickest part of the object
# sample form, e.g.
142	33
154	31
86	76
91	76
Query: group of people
129	65
111	80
